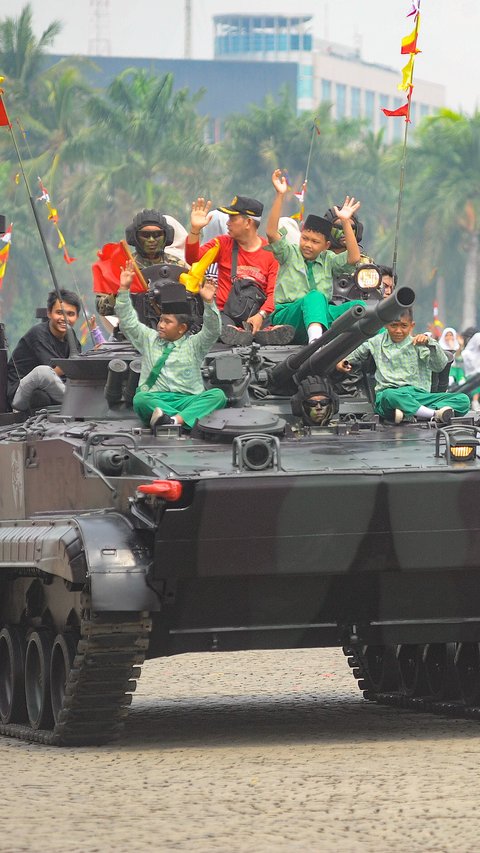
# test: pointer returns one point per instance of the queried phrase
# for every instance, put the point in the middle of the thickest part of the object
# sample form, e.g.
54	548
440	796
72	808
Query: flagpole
403	165
69	331
400	196
307	170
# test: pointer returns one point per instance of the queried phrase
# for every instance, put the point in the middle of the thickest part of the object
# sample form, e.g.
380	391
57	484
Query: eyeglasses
150	235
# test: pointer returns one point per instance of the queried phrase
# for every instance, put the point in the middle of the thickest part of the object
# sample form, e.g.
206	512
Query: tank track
455	708
108	659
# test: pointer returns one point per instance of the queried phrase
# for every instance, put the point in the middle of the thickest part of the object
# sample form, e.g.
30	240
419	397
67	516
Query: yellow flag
407	74
194	277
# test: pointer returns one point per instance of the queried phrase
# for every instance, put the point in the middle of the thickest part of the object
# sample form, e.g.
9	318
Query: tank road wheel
412	670
63	654
382	668
37	680
439	661
12	689
467	663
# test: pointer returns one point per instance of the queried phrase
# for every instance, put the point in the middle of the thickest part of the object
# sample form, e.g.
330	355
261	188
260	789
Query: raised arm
350	207
279	181
199	217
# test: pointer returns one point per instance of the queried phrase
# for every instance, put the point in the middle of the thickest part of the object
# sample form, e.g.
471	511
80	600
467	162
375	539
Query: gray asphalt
257	751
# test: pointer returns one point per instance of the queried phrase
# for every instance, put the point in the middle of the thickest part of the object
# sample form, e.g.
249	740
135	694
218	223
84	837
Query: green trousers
190	406
312	308
409	399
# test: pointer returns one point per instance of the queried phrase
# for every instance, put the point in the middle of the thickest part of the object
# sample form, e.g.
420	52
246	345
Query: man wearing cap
253	262
171	389
305	279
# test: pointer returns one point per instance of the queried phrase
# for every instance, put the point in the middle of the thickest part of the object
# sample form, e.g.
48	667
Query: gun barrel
282	373
385	311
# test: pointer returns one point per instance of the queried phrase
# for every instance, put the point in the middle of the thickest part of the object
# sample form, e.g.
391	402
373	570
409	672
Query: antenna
188	29
99	28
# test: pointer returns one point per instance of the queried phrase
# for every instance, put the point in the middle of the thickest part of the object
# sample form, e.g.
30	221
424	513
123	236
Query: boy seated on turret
404	363
304	286
171	389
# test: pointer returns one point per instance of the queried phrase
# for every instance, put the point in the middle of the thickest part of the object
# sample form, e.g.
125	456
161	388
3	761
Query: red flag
4	120
66	257
401	111
106	271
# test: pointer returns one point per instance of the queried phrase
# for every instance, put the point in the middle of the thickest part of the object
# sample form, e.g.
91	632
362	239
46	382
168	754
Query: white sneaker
399	416
443	415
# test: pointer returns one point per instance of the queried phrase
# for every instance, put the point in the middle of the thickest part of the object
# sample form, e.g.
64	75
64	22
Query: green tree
445	197
144	148
22	53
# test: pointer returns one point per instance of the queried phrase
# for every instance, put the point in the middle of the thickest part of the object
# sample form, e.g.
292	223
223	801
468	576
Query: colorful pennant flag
5	243
409	43
4	120
407	74
408	47
404	110
83	333
53	217
436	326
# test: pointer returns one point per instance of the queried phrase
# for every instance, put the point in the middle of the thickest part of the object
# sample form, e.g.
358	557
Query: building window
370	106
326	90
398	123
355	110
424	110
305	82
384	102
341	93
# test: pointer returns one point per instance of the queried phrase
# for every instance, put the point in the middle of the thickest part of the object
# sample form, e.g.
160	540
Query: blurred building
311	70
326	72
231	86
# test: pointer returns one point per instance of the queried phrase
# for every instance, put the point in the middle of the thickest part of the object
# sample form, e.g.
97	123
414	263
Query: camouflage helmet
315	412
148	217
356	225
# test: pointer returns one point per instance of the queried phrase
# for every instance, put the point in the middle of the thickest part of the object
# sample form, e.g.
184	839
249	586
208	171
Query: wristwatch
263	313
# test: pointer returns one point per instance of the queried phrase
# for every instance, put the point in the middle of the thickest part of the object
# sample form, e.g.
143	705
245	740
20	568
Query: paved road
246	753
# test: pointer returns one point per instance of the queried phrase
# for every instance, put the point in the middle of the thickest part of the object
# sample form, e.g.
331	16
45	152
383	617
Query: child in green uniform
171	389
304	284
403	376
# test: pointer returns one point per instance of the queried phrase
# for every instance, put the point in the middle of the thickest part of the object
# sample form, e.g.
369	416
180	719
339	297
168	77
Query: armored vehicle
255	531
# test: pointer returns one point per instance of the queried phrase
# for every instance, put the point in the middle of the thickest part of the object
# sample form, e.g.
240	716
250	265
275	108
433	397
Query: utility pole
188	29
99	28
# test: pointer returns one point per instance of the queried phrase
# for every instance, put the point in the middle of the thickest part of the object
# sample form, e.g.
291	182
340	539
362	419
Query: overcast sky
449	31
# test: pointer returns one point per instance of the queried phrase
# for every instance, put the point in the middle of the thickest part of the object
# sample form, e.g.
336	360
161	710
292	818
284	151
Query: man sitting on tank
171	389
404	364
242	263
304	287
31	380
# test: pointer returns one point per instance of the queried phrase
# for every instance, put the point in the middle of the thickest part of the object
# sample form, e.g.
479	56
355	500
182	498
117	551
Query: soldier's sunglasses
150	235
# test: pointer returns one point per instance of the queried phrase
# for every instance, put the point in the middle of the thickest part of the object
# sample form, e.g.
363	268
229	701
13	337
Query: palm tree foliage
21	53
